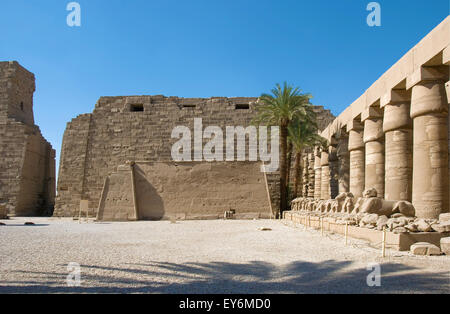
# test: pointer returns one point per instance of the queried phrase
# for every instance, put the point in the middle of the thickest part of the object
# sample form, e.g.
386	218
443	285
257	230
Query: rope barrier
307	226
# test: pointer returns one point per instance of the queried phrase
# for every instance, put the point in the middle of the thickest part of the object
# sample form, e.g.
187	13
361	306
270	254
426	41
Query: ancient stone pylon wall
27	160
138	128
184	190
398	131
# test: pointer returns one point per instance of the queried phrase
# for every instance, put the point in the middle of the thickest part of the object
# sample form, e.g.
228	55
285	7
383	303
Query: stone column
374	141
334	169
305	176
343	163
447	88
312	174
397	126
429	111
318	174
356	148
325	187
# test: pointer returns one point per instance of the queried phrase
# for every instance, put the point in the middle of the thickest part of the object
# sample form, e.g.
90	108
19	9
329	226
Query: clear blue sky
204	48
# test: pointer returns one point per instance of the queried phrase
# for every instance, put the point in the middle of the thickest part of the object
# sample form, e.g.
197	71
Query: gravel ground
202	257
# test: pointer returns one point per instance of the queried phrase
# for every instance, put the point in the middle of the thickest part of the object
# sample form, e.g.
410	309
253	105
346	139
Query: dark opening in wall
242	106
137	108
189	106
21	106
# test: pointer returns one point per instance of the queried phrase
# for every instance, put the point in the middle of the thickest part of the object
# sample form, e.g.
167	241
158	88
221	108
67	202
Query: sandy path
202	257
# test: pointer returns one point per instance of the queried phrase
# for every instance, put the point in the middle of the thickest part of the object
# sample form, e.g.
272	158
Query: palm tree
290	148
279	109
303	133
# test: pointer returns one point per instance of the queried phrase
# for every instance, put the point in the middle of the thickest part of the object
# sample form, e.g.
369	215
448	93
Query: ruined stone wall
27	163
72	165
137	128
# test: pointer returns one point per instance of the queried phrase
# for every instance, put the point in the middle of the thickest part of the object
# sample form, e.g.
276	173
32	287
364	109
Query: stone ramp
187	190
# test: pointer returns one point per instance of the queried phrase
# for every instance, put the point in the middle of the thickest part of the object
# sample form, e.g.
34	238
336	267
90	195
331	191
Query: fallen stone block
3	211
412	227
400	230
444	217
423	226
382	222
445	245
370	219
441	227
424	248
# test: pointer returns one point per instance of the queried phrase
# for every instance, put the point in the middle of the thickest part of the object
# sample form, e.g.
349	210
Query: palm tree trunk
288	163
283	170
297	174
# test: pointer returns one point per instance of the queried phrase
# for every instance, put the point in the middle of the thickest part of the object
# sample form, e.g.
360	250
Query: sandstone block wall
187	190
27	160
118	199
138	128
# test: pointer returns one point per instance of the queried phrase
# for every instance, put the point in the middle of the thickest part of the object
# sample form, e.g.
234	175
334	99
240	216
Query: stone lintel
354	125
371	113
395	96
427	74
446	56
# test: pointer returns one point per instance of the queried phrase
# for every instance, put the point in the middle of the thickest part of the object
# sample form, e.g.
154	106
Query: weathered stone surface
325	188
375	160
399	230
394	223
149	198
343	163
356	148
95	144
382	222
397	125
423	248
444	217
412	227
372	205
317	174
370	219
375	205
429	109
423	226
27	160
441	227
445	245
3	211
405	208
370	193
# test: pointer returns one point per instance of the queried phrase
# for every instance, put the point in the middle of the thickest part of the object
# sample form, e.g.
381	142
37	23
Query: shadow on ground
220	277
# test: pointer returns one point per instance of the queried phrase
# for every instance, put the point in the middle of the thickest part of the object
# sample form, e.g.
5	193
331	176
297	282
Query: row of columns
400	147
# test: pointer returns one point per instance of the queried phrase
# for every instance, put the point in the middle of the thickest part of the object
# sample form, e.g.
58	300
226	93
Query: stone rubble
424	248
372	212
